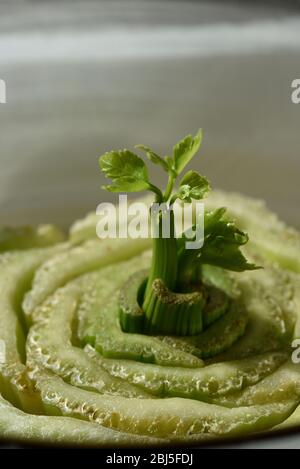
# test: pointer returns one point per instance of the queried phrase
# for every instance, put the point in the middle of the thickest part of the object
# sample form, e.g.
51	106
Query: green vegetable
175	419
174	313
175	267
136	389
56	352
207	308
281	385
221	247
16	425
192	186
27	237
164	255
16	272
89	256
131	313
154	157
184	151
127	171
218	338
217	383
99	325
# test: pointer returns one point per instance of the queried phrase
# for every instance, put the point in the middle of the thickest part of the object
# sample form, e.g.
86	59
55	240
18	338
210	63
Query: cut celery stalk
281	386
204	384
80	259
27	237
49	350
131	315
16	271
98	321
219	337
16	425
268	295
173	418
163	390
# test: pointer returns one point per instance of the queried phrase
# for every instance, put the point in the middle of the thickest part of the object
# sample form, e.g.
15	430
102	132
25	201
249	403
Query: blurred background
84	77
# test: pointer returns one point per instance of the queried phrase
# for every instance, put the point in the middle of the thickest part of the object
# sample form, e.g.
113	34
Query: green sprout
166	299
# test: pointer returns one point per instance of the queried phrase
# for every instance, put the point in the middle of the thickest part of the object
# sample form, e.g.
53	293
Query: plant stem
158	194
169	187
164	256
174	313
189	268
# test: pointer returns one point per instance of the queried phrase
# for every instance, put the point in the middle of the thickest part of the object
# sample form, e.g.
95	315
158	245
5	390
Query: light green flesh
204	384
172	418
62	268
57	353
100	326
16	272
72	376
17	425
27	237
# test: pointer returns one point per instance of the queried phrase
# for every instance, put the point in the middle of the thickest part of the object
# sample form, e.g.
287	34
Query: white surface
150	42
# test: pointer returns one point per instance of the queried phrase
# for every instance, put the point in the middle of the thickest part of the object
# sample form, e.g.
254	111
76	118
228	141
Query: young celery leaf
154	157
221	253
221	247
127	171
212	217
185	150
217	224
193	186
170	163
222	242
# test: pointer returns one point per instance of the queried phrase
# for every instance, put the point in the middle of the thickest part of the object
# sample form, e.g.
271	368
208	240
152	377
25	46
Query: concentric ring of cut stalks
162	390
